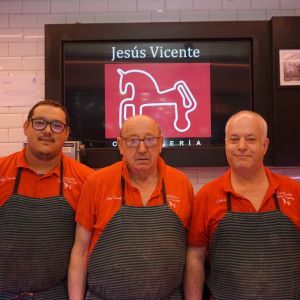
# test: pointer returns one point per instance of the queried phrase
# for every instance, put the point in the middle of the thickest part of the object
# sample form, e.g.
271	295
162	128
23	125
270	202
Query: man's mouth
242	156
46	139
142	158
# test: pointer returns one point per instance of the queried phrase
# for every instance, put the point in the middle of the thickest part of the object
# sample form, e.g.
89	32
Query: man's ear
161	141
25	126
120	146
266	144
67	133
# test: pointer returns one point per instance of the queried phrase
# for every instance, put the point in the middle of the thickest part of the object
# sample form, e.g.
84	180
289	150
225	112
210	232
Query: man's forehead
138	126
244	117
243	120
245	127
48	110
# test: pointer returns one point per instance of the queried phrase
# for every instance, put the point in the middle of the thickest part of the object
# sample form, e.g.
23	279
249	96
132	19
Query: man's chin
45	155
140	165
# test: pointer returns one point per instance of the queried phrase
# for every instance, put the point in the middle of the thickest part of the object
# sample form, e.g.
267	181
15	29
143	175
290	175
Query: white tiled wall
22	42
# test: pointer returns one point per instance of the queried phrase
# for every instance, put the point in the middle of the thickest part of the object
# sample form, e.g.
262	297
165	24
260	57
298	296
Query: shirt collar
273	182
22	163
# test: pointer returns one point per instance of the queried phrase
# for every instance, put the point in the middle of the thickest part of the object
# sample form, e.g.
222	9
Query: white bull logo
133	84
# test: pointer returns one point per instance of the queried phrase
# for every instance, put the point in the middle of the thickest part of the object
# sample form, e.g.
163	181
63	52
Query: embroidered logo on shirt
8	178
173	200
112	197
286	197
220	201
69	182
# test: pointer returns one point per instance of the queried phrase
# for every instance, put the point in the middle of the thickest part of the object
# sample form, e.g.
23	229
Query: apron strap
17	180
123	190
61	186
163	191
228	201
276	201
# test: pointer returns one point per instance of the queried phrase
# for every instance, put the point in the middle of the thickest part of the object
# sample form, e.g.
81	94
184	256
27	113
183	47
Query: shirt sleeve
86	210
198	234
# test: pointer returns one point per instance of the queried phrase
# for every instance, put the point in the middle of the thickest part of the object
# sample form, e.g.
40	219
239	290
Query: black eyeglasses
134	142
41	124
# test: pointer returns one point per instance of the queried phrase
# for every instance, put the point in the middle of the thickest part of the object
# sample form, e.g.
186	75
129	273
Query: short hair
49	102
263	123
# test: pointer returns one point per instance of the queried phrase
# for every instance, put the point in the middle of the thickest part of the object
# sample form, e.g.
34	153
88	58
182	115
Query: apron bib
255	256
139	256
38	235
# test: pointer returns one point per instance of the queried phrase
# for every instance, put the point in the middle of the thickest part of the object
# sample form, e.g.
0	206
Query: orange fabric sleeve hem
83	224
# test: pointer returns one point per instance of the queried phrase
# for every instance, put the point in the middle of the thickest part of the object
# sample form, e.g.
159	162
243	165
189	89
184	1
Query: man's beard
45	156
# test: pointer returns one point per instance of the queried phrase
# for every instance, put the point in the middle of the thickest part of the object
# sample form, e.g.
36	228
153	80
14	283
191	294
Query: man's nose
142	146
242	143
48	128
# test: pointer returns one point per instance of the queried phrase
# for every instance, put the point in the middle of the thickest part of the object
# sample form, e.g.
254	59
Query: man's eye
234	140
132	141
39	122
149	139
251	140
57	124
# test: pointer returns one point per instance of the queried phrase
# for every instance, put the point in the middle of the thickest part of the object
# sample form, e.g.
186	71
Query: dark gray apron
255	256
36	237
140	255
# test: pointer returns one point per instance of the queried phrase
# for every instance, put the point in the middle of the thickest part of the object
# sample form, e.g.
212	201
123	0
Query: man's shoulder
11	159
176	173
107	173
74	166
215	185
283	181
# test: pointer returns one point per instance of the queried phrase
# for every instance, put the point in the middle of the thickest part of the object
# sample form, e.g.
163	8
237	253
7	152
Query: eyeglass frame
48	123
141	140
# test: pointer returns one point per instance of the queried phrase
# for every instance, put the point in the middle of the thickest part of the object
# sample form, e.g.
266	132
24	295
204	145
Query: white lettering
181	143
120	54
128	53
175	52
196	53
113	53
156	52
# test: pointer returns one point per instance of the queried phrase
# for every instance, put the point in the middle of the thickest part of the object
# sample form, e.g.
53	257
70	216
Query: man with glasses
131	223
39	191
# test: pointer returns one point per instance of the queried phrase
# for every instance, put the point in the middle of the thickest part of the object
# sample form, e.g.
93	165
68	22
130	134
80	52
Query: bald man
132	219
246	223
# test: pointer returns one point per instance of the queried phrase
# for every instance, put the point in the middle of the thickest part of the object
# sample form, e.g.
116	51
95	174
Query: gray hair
262	122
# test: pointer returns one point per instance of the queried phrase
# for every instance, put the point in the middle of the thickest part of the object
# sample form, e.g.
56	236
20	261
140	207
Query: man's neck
251	185
145	183
141	178
248	177
40	165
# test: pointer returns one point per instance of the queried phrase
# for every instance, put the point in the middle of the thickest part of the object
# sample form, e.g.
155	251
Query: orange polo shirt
210	204
36	186
102	192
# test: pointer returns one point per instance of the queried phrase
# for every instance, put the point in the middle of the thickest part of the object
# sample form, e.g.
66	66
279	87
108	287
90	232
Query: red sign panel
177	95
